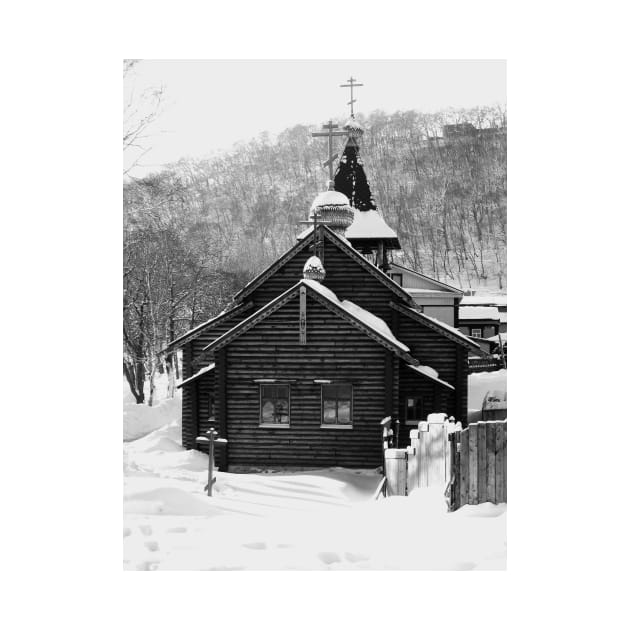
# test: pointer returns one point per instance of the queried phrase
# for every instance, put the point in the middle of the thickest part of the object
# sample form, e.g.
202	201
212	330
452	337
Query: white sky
210	105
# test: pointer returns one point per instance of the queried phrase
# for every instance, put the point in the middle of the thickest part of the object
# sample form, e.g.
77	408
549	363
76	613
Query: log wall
335	350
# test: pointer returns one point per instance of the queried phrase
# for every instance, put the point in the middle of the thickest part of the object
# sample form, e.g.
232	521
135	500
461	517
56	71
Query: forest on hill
197	231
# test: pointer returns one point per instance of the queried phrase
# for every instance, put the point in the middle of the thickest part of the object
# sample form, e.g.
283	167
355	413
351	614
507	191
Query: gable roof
368	323
213	321
344	245
438	326
440	286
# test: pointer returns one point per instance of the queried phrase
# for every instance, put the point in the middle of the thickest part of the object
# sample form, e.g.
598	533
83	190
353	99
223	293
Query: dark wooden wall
442	354
192	402
335	350
344	276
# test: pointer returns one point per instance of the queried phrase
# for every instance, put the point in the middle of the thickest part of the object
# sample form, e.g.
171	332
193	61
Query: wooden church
317	349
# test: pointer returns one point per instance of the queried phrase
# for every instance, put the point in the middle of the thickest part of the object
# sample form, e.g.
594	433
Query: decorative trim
281	300
302	315
195	332
267	273
345	247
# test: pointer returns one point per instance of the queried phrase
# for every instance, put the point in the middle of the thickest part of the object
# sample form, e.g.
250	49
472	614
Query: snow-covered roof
365	317
429	372
495	338
479	312
369	224
196	375
484	300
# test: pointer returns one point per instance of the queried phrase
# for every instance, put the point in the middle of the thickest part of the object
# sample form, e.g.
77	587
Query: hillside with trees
197	231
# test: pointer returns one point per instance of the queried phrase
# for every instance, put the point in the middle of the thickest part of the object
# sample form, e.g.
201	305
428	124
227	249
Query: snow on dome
329	198
313	269
333	208
354	129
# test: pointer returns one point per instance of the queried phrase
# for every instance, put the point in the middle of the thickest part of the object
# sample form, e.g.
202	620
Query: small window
397	278
275	403
337	405
475	332
413	410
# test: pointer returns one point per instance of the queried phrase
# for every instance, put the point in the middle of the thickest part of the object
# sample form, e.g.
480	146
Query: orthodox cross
316	246
329	134
352	84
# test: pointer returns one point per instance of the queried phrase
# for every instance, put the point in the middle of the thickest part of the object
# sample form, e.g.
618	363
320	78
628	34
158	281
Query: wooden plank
500	462
473	465
436	454
302	315
505	466
423	435
396	471
482	470
491	494
413	462
463	469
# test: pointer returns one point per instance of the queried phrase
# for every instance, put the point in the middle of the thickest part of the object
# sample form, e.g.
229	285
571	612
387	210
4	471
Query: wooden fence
478	465
471	463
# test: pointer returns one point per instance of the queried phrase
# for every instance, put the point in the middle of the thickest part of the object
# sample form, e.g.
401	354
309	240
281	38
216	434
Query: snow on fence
478	465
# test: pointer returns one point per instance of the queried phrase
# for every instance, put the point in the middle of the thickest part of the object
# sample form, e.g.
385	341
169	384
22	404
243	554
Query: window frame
273	425
419	402
479	330
336	425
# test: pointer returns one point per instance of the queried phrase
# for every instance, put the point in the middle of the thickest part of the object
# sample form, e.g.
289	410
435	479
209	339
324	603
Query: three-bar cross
352	84
329	134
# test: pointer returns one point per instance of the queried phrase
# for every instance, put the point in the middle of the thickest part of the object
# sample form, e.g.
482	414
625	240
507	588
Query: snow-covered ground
323	519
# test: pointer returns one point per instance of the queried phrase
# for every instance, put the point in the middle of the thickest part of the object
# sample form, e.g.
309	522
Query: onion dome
353	128
334	208
314	270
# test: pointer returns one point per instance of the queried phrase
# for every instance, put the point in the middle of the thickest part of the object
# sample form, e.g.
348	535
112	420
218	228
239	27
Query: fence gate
478	464
429	461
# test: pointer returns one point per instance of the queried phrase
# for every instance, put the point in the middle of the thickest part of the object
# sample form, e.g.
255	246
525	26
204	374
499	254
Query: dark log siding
335	350
434	350
193	422
344	276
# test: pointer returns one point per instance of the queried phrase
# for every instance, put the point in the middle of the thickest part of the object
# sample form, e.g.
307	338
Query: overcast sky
210	105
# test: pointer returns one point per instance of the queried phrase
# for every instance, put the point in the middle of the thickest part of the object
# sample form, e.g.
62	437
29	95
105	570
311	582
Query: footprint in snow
328	557
146	530
126	532
177	530
355	557
148	565
152	545
255	545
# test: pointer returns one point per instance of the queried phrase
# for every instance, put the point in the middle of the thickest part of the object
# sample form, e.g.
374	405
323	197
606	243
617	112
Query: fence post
413	467
396	471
